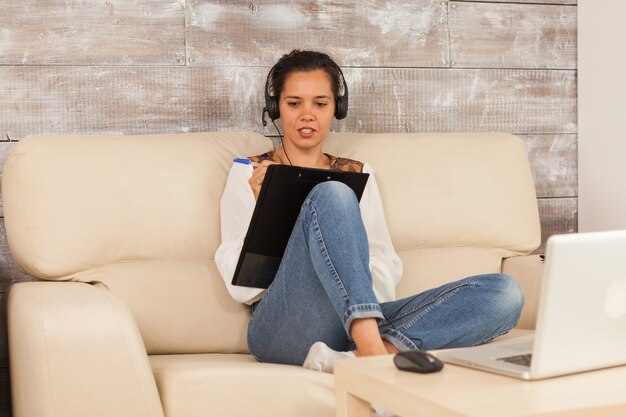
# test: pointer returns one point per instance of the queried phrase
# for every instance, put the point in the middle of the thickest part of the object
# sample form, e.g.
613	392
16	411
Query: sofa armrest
75	351
528	271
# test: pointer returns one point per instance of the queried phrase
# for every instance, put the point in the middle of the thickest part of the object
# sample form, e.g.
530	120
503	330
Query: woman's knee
334	193
505	297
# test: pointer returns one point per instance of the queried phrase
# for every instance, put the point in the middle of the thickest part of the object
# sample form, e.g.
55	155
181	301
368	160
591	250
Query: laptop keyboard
523	360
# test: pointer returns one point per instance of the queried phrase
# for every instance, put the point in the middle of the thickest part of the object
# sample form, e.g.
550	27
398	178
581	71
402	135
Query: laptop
283	191
581	322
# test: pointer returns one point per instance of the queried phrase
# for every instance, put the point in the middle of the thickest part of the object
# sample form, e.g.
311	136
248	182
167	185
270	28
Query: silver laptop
581	322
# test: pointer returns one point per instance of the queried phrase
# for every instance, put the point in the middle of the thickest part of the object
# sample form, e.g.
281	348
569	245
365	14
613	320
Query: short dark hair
305	61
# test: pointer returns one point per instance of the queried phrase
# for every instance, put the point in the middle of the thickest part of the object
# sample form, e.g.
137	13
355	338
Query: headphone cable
281	141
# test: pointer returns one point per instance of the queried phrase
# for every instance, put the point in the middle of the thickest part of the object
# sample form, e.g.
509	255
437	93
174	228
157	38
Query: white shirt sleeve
236	208
385	264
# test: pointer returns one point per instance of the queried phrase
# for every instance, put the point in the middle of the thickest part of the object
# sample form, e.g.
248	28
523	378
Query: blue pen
245	161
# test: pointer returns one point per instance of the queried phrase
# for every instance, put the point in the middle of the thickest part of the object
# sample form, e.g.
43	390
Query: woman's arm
236	207
385	264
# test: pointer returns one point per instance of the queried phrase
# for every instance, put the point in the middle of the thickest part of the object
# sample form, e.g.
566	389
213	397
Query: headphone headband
271	101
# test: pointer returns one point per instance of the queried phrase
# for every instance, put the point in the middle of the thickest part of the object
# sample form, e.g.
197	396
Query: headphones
271	102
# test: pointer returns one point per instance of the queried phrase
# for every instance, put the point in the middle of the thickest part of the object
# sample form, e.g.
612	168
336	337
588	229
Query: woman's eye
292	103
322	104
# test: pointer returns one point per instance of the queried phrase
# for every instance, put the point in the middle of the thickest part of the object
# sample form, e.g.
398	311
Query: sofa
129	317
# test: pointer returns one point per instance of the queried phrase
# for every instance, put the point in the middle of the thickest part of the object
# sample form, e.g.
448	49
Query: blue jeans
324	283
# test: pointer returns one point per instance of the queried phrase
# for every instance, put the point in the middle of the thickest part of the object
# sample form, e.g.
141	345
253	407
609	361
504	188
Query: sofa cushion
73	203
238	385
451	189
180	305
431	267
139	215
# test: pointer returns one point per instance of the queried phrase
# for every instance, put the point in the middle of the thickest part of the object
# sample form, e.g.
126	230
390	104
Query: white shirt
237	205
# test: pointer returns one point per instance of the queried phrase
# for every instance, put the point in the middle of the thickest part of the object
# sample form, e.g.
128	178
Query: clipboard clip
305	178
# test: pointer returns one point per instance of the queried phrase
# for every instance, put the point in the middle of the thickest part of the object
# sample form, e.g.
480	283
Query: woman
333	295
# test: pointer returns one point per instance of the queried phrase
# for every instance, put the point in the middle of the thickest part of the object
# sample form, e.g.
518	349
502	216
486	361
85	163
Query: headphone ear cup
341	108
271	103
341	102
272	107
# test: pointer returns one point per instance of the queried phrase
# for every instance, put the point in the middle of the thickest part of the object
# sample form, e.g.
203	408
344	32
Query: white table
457	391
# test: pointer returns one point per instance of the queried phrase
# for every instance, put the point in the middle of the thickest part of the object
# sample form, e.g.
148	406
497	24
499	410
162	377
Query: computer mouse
417	361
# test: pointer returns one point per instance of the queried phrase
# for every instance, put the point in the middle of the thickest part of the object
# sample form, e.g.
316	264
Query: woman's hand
257	177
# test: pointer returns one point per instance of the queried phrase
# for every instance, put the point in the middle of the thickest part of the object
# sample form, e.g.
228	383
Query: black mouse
417	361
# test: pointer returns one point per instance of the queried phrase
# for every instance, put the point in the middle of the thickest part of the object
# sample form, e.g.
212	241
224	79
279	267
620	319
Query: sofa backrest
455	203
138	215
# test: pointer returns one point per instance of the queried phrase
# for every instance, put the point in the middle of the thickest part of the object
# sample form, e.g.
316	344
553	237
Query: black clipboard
281	196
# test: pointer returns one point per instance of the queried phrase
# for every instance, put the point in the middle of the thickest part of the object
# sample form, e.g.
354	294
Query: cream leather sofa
129	316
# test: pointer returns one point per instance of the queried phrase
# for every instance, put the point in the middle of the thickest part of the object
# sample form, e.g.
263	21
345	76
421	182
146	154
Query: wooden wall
147	66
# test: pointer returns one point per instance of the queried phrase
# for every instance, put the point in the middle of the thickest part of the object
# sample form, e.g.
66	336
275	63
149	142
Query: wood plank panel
554	163
128	100
5	393
113	32
558	215
4	346
357	33
121	100
572	2
433	100
5	148
484	35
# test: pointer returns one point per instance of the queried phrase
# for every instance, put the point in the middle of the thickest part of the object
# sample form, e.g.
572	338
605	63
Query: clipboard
282	194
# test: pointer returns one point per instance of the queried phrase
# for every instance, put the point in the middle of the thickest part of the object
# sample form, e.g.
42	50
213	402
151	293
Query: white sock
322	358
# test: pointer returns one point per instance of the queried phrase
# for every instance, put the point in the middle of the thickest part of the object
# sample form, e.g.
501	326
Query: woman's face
307	107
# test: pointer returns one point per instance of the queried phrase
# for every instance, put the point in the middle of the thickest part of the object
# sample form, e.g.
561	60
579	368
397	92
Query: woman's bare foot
367	338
